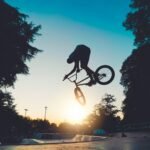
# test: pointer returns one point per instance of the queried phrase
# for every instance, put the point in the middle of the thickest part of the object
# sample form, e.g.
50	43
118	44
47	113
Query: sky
65	24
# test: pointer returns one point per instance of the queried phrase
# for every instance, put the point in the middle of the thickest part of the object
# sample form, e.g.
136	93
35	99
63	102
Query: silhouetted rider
81	55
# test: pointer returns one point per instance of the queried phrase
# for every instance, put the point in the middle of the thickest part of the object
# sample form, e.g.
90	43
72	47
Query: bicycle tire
79	96
100	69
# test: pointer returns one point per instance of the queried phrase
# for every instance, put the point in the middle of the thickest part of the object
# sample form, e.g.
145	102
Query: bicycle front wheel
79	96
104	74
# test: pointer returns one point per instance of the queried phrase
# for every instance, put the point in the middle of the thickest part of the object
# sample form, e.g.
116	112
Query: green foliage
138	21
6	100
135	69
16	36
39	125
15	48
104	114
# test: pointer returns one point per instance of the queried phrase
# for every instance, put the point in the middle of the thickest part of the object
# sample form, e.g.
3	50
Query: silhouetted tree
16	34
39	125
8	114
107	103
66	127
53	128
138	21
104	114
6	100
135	69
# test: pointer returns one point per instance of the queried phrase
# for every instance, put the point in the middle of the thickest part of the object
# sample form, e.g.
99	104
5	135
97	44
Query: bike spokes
104	74
79	96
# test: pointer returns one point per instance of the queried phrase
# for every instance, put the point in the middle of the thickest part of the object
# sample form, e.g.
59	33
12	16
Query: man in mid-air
81	55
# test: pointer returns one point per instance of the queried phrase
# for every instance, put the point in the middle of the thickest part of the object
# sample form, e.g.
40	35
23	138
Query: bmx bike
103	75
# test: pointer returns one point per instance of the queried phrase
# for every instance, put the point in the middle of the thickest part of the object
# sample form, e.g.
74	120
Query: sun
75	113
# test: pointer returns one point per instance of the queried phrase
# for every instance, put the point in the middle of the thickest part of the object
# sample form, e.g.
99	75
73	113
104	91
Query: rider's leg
84	65
89	72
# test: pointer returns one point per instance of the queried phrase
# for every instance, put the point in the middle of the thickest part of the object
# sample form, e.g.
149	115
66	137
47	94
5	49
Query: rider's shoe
89	83
96	75
92	82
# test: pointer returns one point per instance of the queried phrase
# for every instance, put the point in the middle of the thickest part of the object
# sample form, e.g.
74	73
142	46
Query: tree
107	101
16	34
53	128
135	69
6	100
138	21
104	114
40	125
66	127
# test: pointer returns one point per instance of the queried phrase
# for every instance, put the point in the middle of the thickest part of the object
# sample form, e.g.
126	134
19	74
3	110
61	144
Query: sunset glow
75	113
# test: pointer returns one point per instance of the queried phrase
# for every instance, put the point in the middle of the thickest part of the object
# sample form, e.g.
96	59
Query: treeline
105	115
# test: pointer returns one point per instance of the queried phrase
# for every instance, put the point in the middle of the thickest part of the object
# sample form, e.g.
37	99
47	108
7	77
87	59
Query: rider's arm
76	67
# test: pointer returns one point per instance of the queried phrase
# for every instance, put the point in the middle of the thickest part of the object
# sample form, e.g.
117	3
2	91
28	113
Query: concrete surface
133	141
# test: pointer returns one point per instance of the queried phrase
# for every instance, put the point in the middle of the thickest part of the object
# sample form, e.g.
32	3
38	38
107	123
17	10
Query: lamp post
45	113
25	112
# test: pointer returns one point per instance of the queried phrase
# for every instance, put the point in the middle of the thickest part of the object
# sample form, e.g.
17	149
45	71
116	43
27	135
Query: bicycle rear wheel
79	96
104	74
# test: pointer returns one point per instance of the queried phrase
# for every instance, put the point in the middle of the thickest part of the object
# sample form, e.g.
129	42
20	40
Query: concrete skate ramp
87	138
76	139
31	141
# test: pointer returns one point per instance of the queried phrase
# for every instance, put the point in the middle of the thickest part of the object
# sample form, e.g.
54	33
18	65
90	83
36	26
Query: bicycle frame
79	83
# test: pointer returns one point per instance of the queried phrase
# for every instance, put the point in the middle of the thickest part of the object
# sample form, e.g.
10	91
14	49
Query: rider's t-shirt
81	52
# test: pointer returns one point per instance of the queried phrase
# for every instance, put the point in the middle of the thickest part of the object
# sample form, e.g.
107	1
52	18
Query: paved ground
132	142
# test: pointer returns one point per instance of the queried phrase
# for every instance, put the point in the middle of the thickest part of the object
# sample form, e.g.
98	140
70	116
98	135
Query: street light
25	111
45	113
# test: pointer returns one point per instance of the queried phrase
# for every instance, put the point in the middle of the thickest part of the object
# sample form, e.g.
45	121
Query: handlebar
69	78
79	83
